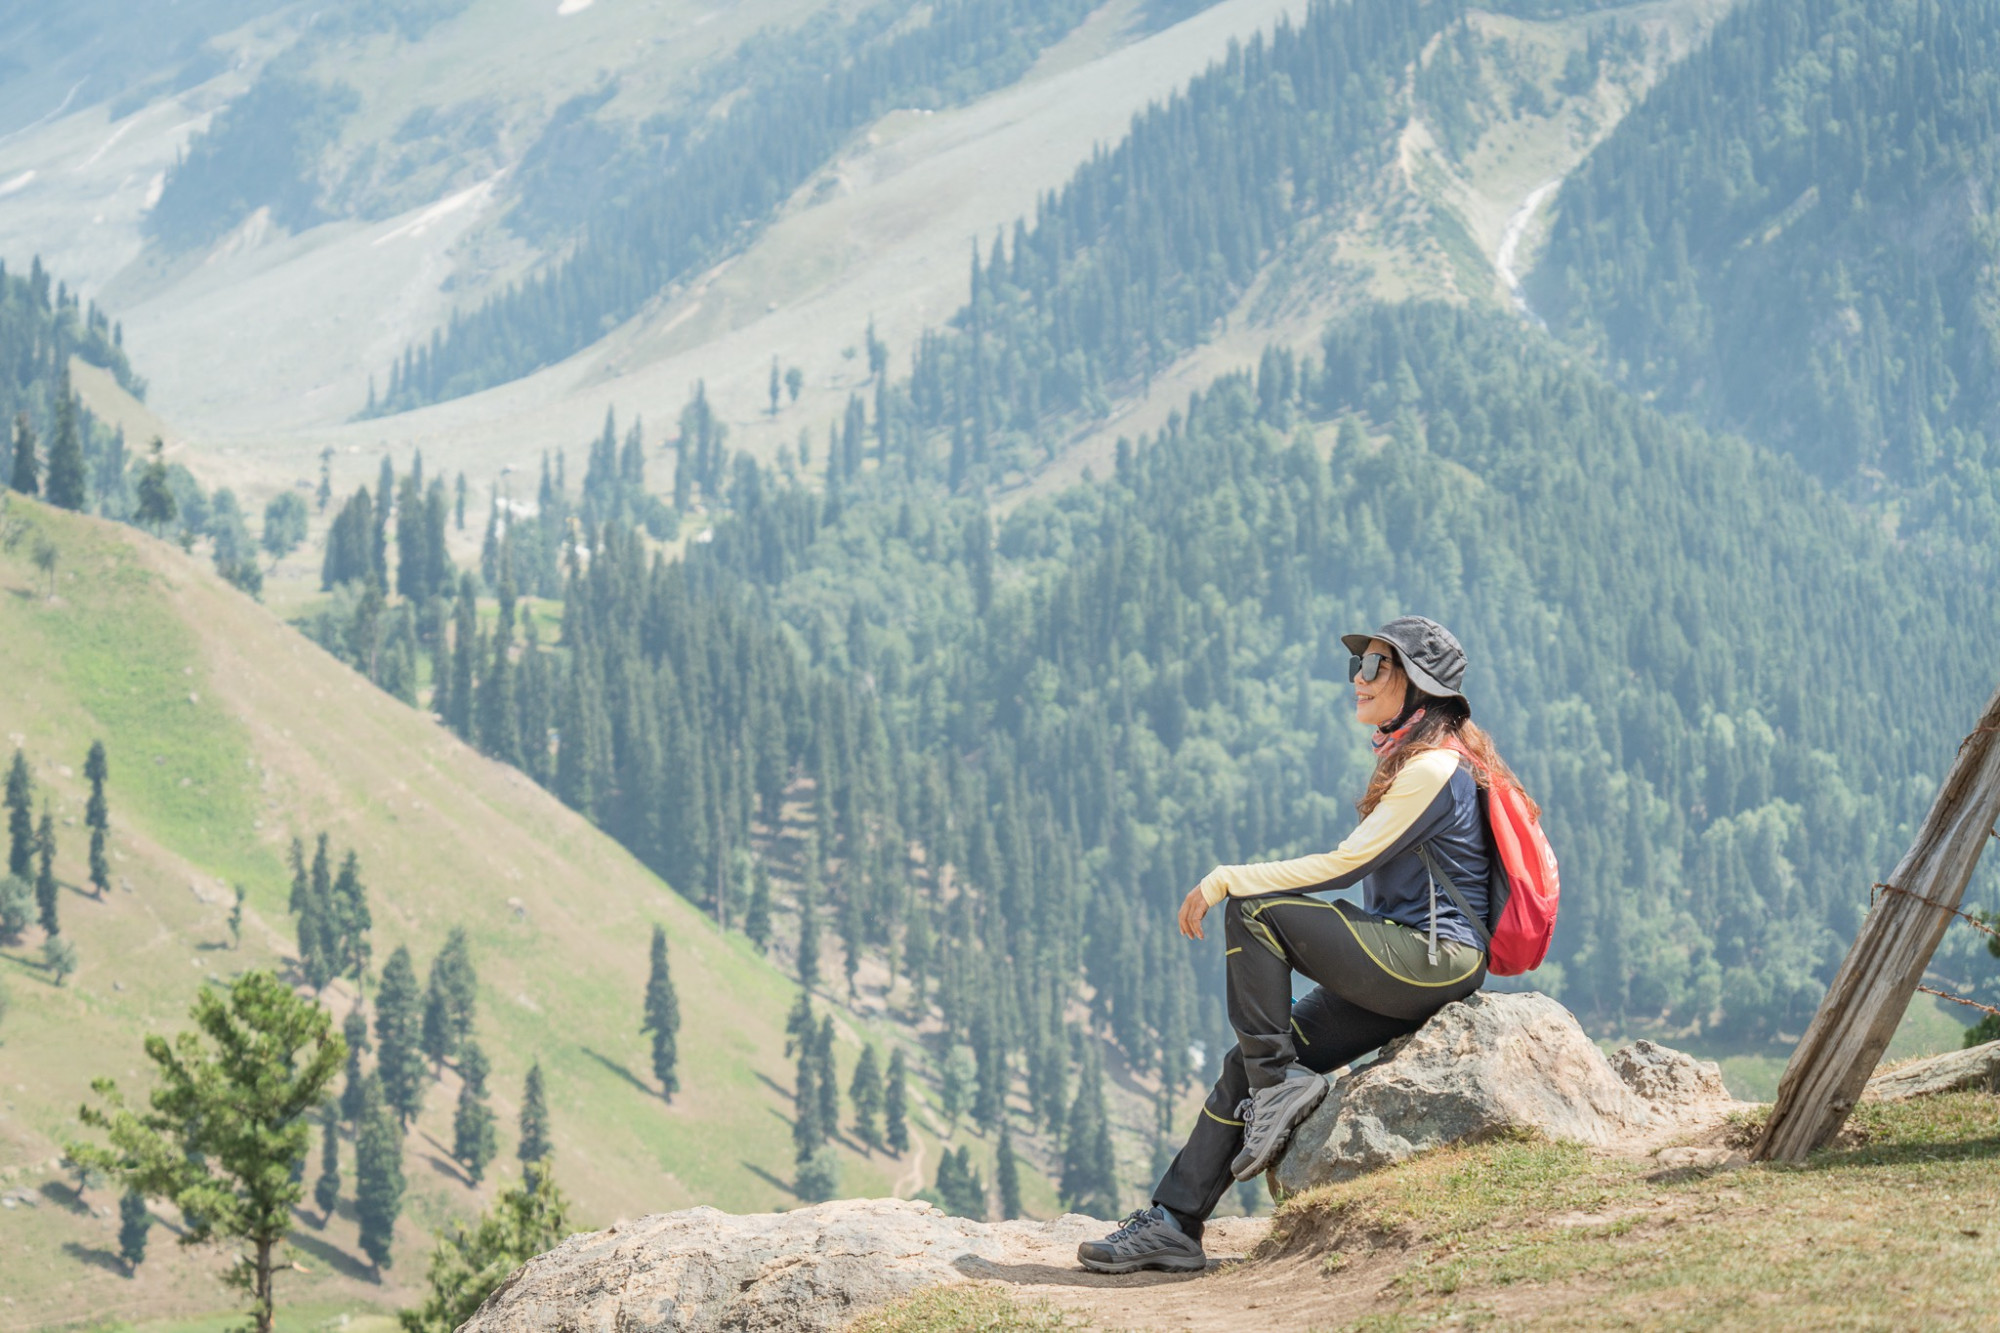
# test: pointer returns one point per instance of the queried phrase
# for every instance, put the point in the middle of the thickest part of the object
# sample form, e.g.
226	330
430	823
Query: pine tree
464	655
864	1092
799	1025
952	1086
45	871
134	1221
1089	1171
451	998
497	711
808	959
662	1016
399	1058
474	1132
67	475
435	1030
808	1130
157	507
26	476
895	1105
385	500
97	814
348	917
829	1080
757	919
295	857
20	819
849	919
816	1175
355	1029
318	929
535	1146
959	1189
1007	1175
378	1175
326	1189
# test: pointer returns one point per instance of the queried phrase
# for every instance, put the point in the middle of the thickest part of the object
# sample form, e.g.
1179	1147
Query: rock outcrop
803	1271
1484	1066
1954	1071
1488	1065
1665	1077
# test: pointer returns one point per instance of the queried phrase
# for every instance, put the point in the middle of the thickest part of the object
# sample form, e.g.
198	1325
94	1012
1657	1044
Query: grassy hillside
228	734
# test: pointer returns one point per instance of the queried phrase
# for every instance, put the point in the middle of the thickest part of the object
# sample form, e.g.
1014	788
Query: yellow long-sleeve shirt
1412	797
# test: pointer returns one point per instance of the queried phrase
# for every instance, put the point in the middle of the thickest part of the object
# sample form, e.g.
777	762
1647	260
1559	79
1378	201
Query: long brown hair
1443	720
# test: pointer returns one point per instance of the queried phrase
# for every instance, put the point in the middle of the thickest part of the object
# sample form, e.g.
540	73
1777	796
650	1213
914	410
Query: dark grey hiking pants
1376	983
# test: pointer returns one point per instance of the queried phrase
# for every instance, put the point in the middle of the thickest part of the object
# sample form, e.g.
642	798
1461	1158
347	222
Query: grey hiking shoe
1269	1117
1149	1238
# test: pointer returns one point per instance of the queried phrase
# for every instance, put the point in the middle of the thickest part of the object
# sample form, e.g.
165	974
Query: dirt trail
1288	1291
912	1180
1218	1300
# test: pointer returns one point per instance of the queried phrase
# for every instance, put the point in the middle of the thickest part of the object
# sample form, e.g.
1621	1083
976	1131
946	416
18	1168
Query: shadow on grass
331	1255
66	1194
774	1085
622	1072
449	1169
1905	1154
96	1258
768	1178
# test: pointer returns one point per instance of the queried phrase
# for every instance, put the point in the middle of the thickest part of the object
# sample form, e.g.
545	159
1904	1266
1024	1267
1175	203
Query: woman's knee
1232	1085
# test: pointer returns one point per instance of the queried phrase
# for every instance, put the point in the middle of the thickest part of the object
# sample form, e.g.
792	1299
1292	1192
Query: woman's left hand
1193	908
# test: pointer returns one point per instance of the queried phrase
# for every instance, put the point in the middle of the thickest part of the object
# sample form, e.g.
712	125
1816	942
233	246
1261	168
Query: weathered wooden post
1881	972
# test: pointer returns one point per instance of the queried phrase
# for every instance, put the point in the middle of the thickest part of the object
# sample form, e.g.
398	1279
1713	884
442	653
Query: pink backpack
1525	890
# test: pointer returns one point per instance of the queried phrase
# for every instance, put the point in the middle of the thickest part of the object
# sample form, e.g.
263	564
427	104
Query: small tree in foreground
228	1124
527	1219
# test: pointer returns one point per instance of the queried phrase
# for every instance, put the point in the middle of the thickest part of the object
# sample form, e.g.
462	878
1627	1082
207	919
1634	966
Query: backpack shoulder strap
1436	872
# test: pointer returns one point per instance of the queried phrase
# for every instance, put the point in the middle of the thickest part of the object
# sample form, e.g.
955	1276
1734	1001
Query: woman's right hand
1193	908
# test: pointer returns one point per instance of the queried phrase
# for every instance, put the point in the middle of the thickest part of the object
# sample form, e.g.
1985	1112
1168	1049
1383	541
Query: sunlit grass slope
228	733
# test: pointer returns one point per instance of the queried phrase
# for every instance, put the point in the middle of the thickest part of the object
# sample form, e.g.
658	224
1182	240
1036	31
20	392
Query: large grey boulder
811	1269
1954	1071
1489	1065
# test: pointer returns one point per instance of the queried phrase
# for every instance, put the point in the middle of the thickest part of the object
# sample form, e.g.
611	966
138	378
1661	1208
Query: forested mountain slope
1794	237
1023	746
42	325
227	735
656	206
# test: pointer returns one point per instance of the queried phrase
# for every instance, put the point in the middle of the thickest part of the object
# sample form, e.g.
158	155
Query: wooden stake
1882	969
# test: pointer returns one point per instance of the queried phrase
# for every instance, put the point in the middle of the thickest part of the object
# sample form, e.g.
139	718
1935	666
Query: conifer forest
662	605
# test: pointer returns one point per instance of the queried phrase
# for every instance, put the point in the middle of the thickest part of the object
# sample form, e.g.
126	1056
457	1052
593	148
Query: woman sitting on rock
1382	969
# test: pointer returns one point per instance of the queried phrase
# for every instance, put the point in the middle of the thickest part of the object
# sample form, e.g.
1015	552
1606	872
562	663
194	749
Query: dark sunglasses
1367	666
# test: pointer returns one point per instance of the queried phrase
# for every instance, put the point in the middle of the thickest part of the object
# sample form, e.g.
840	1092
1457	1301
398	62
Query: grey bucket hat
1430	654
